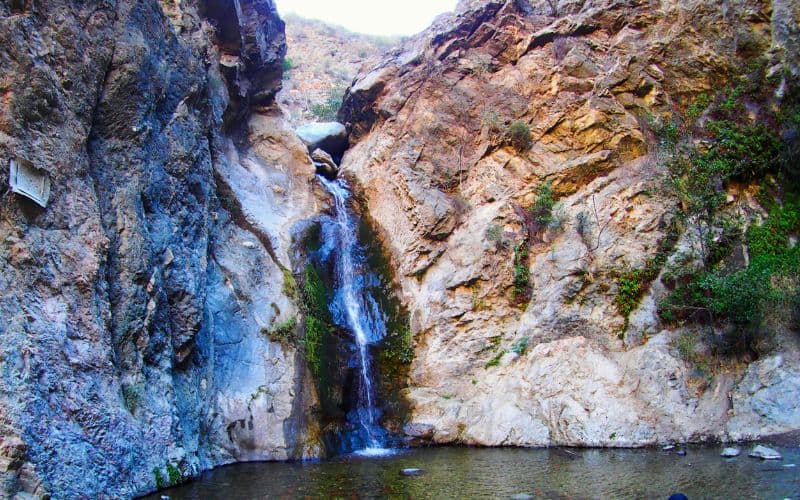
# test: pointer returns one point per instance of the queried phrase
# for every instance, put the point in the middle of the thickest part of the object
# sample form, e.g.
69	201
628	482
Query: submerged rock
328	136
765	453
730	452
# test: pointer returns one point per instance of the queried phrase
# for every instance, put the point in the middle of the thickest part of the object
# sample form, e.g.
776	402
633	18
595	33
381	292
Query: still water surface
454	472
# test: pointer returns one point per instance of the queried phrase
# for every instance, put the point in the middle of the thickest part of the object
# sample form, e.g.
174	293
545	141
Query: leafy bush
159	478
495	360
520	290
318	327
632	284
743	298
173	474
519	136
288	64
542	207
328	110
700	104
284	332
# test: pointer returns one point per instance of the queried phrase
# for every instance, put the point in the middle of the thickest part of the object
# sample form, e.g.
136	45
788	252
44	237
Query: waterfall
358	310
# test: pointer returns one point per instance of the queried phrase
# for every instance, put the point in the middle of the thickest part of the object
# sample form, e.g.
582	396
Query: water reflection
500	473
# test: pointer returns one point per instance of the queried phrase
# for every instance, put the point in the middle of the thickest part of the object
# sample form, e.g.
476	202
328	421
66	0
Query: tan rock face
433	157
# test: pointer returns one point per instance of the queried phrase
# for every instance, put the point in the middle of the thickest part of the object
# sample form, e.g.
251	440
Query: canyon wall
519	339
135	307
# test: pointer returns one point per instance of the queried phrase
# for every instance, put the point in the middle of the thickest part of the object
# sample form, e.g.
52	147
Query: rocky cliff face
518	337
136	306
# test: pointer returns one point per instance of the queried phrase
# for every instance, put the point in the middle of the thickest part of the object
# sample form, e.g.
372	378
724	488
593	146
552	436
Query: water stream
354	308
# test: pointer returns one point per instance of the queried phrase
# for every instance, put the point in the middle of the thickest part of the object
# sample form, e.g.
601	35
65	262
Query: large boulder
327	136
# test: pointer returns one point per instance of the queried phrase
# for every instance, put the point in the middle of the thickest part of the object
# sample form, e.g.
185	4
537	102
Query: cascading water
355	308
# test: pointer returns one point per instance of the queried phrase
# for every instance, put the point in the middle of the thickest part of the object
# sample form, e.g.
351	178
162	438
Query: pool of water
454	472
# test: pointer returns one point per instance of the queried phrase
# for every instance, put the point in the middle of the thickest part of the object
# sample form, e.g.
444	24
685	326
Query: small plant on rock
519	136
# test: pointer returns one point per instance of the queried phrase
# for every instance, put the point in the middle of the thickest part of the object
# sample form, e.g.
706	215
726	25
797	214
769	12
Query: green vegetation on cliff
740	280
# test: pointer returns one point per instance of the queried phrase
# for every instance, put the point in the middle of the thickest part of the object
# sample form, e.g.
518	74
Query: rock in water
730	452
411	471
765	453
328	136
668	447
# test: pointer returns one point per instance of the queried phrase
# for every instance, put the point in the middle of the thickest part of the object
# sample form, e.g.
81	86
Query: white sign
27	180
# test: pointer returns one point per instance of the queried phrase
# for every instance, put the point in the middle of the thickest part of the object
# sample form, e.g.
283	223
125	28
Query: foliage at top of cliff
321	61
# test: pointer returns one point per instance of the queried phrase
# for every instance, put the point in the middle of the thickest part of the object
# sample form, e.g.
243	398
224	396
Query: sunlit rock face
427	152
135	307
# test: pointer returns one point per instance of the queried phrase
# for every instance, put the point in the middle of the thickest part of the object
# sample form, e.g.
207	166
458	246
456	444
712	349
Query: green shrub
399	346
328	109
519	135
495	360
173	474
632	284
743	298
288	64
284	331
159	478
520	290
289	287
542	207
317	318
698	106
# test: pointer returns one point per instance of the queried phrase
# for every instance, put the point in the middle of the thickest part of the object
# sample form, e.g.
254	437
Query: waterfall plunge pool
461	472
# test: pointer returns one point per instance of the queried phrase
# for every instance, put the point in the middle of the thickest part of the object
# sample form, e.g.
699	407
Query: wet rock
668	447
764	453
325	164
328	136
681	452
730	452
411	472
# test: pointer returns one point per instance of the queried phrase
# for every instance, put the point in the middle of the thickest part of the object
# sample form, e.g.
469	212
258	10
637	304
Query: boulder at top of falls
325	164
327	136
765	453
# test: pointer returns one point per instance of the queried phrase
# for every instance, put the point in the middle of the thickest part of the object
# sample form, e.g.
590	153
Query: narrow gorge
546	223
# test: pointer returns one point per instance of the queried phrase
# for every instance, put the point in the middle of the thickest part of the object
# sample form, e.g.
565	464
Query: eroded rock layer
519	340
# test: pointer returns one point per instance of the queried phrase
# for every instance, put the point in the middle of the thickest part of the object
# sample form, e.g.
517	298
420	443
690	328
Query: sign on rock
27	180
